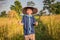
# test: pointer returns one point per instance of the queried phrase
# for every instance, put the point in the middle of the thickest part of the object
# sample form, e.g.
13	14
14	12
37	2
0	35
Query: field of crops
10	29
52	23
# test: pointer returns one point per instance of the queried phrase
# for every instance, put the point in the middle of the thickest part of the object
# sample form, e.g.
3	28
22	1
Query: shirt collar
29	15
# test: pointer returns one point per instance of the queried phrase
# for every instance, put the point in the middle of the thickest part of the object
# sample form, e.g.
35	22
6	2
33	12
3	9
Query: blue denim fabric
28	22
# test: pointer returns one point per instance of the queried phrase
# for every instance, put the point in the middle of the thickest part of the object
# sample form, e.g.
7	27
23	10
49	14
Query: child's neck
29	14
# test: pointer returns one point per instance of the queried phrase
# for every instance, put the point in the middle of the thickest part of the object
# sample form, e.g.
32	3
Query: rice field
52	22
10	29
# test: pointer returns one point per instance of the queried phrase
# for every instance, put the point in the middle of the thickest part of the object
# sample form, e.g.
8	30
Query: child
28	22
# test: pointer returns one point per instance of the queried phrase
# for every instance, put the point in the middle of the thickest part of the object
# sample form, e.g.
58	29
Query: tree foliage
47	4
30	3
52	6
3	13
17	7
55	8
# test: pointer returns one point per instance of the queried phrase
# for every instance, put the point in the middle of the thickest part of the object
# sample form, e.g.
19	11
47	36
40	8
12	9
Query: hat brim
33	9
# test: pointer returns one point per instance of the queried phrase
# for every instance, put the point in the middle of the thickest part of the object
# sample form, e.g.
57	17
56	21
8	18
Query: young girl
28	22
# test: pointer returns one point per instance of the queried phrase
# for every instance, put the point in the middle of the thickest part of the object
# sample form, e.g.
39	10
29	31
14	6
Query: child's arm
35	22
20	23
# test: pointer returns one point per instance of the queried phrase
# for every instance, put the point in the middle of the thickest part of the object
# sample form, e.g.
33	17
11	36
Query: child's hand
20	22
36	23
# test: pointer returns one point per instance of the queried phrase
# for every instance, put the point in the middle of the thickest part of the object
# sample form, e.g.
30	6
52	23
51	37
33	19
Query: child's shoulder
24	16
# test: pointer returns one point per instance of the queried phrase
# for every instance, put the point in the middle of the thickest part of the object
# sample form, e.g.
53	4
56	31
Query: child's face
29	11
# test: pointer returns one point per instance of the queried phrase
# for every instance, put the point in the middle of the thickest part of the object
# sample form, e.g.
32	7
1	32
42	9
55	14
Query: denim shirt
28	22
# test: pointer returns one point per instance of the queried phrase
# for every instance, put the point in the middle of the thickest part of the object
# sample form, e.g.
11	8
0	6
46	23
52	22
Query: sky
5	5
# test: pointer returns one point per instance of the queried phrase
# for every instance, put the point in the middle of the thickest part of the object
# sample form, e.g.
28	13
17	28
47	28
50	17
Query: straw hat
32	8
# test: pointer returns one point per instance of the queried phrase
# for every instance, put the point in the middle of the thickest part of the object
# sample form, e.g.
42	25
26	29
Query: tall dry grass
9	26
52	22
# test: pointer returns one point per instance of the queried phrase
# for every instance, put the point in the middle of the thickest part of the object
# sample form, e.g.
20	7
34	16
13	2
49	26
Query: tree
3	13
30	3
41	12
47	5
17	7
57	8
